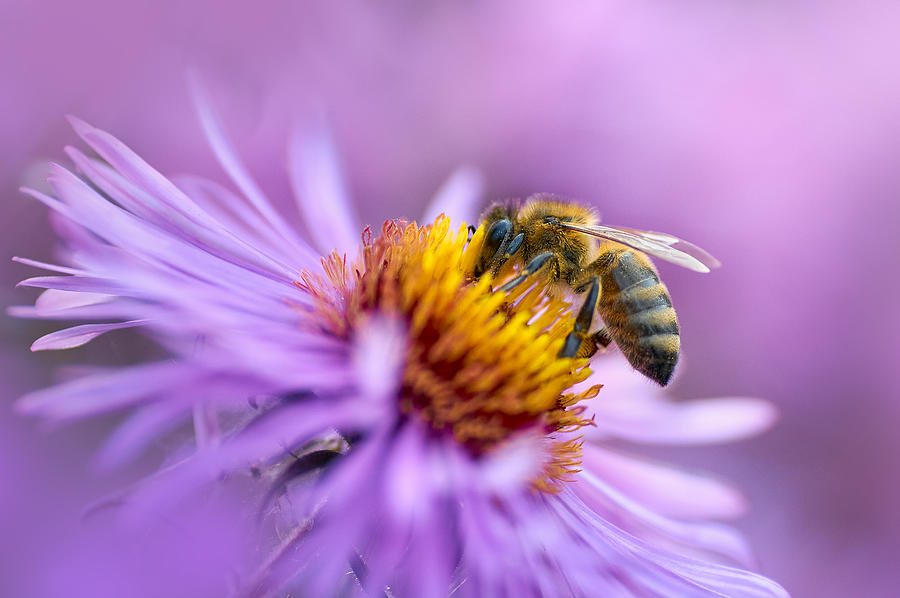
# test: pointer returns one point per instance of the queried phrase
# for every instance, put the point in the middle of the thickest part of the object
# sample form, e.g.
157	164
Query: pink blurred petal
514	464
459	198
655	420
668	491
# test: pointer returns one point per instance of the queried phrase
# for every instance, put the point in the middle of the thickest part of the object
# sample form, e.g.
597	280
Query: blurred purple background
766	132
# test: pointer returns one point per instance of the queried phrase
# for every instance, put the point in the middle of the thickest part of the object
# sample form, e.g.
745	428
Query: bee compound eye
499	231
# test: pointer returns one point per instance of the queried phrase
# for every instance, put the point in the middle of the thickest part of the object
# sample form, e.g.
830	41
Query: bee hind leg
572	347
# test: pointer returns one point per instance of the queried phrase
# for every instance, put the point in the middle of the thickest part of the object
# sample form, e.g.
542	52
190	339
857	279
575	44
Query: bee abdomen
638	312
653	322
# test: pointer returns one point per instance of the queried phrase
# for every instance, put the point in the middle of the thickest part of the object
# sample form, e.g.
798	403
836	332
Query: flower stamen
482	363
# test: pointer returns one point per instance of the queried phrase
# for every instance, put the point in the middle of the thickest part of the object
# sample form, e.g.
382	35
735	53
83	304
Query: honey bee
608	265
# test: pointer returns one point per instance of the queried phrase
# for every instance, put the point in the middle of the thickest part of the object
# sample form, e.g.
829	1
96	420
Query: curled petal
79	335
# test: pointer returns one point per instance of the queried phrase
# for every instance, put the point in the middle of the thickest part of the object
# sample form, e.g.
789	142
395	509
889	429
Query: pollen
481	364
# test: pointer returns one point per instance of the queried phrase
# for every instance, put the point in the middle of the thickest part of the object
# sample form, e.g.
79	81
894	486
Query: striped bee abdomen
637	311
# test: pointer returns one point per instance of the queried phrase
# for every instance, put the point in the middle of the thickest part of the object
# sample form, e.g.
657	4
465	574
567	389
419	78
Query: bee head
500	239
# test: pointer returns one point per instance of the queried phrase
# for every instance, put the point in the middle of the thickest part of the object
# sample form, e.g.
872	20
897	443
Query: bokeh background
767	132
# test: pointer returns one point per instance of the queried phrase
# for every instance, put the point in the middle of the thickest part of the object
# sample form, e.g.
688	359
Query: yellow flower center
481	364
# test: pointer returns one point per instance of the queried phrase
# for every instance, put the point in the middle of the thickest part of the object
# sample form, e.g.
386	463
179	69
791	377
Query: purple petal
144	191
706	537
652	570
406	476
143	241
236	171
429	567
106	391
88	284
138	431
46	266
207	433
236	216
152	184
320	192
378	354
181	217
69	309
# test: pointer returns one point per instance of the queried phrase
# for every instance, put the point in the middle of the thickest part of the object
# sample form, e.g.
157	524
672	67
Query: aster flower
414	429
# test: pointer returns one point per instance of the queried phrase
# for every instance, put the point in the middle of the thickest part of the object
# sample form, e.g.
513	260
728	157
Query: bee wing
665	247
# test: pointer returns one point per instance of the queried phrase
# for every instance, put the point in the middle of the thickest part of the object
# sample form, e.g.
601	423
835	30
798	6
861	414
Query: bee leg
533	266
579	333
514	245
506	250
